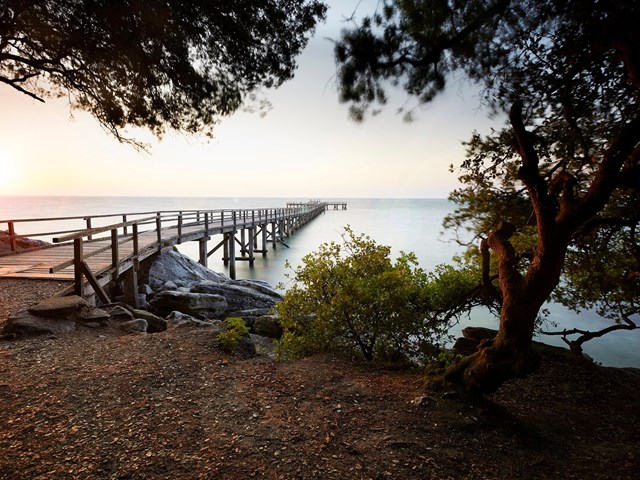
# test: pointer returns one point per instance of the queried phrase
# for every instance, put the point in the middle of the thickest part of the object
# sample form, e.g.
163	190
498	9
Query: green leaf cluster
235	330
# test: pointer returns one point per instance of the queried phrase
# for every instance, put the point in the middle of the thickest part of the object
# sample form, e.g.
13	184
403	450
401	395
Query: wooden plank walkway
103	254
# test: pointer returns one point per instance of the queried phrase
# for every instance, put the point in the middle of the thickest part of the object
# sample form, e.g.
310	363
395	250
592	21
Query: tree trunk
507	356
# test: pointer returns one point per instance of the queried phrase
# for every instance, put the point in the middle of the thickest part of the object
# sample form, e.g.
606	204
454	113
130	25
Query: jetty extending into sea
92	257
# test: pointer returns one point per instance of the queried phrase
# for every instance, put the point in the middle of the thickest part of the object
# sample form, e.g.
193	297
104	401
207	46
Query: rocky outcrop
62	315
199	305
239	296
180	293
21	243
172	266
177	283
471	338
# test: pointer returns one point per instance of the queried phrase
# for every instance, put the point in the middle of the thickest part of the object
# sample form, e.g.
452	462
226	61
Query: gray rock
137	325
172	265
169	285
179	319
155	323
94	315
249	316
119	313
261	287
199	305
268	326
479	333
59	306
142	301
245	347
465	346
238	297
184	289
145	289
23	323
263	345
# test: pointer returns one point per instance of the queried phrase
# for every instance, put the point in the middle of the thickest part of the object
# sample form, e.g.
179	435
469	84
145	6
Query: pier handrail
150	231
225	215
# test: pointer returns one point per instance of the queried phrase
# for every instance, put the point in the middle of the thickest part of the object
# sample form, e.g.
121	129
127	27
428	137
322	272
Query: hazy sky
304	147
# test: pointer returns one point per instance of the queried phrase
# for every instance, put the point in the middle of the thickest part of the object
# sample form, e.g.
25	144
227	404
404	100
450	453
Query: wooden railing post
124	220
88	220
136	246
115	252
222	219
179	228
158	232
206	223
12	236
78	258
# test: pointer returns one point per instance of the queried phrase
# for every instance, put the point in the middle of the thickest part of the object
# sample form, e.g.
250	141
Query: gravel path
17	293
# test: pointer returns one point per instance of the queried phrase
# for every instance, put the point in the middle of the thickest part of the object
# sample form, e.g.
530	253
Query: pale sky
304	147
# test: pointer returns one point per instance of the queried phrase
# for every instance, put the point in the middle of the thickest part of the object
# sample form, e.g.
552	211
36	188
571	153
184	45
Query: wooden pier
95	256
327	205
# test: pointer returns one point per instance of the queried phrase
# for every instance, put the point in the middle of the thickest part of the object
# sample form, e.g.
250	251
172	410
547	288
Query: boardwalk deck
103	254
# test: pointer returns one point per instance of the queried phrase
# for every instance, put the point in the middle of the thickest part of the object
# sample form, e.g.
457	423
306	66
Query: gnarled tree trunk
559	213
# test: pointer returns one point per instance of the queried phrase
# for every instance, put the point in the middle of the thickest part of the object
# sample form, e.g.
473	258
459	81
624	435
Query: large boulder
199	305
239	297
171	265
23	323
56	307
268	326
471	339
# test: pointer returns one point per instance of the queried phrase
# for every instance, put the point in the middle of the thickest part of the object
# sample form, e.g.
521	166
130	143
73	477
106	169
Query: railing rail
182	218
127	246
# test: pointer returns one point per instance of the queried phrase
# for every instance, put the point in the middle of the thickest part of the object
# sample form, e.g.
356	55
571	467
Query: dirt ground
172	405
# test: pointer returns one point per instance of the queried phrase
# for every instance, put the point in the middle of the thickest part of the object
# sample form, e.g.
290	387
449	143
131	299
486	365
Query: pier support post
252	232
243	242
264	240
130	287
225	249
274	234
232	255
202	250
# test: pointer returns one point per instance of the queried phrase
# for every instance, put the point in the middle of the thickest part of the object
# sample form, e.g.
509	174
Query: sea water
409	225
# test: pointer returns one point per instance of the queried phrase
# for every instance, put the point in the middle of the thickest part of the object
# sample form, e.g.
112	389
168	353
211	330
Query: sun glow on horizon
8	169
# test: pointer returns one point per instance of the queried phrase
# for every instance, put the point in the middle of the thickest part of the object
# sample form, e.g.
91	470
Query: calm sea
411	225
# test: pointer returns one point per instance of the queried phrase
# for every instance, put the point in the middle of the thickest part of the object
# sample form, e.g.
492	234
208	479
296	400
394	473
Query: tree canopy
553	199
155	64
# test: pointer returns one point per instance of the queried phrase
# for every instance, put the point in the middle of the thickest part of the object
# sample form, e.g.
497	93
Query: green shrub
352	297
236	329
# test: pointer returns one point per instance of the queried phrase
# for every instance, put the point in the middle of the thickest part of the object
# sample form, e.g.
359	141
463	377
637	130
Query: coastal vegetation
552	199
351	297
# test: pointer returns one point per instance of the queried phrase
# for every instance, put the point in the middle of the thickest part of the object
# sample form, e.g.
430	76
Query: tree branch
499	242
529	173
20	89
624	148
586	335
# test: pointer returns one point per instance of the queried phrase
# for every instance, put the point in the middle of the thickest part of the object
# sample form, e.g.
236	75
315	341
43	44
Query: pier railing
140	234
97	224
